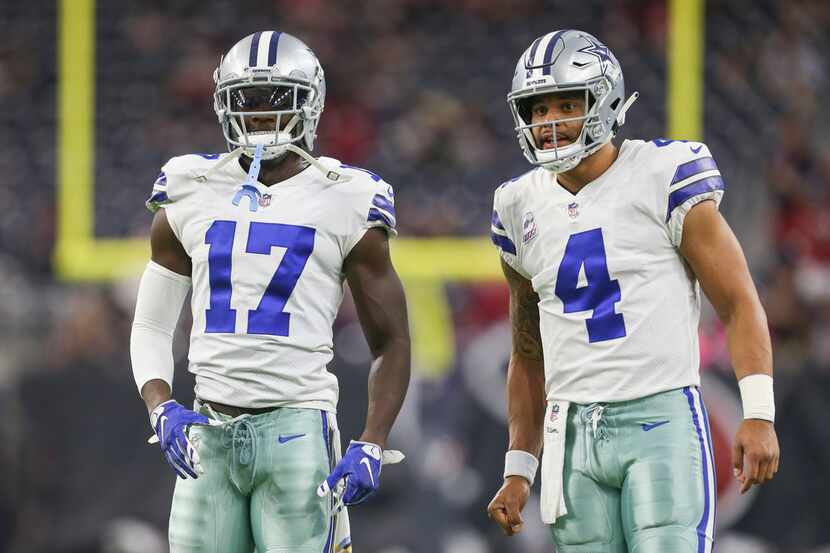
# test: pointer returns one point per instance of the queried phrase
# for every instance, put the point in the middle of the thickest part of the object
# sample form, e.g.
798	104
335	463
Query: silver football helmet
568	61
270	91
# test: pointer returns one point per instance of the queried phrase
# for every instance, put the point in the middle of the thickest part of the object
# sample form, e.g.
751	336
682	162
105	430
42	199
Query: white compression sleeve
161	295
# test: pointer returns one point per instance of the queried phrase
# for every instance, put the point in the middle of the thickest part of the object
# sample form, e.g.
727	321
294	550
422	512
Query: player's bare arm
381	308
713	252
525	398
167	251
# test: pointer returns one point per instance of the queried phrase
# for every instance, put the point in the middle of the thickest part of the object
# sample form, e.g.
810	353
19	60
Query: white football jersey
267	273
619	307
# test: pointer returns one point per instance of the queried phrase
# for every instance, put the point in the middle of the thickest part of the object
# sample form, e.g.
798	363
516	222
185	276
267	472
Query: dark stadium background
416	93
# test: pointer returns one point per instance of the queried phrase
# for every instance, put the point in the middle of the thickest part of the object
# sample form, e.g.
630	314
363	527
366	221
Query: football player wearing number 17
603	248
264	238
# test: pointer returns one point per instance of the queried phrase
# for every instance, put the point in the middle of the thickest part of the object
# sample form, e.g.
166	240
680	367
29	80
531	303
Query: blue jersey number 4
599	294
268	317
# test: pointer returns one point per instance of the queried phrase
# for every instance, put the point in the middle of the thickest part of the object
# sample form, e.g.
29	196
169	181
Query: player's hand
506	507
171	422
360	470
755	454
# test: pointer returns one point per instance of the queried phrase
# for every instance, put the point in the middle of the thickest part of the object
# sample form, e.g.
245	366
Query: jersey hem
580	399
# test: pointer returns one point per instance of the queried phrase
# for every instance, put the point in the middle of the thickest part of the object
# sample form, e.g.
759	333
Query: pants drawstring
240	437
593	415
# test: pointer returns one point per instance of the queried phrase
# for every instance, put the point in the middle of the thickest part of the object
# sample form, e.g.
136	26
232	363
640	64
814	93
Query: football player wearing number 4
264	238
603	248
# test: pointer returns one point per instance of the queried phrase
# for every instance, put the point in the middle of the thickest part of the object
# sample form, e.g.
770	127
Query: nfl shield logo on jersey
265	200
528	227
573	210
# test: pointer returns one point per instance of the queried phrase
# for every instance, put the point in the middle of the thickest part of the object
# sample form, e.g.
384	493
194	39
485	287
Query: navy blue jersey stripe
383	203
375	177
158	197
272	48
377	215
696	188
693	167
254	49
495	221
503	242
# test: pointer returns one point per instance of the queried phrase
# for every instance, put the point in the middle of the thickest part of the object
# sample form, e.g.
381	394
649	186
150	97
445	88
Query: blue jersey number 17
268	317
600	292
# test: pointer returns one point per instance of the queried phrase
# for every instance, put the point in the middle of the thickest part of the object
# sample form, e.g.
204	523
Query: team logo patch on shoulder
528	227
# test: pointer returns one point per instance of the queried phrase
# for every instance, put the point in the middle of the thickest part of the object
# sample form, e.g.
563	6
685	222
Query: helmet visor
266	98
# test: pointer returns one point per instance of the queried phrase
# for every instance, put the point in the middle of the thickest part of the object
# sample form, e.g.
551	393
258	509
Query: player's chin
549	145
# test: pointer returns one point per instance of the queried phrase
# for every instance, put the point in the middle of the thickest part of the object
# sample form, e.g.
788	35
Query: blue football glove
360	469
171	422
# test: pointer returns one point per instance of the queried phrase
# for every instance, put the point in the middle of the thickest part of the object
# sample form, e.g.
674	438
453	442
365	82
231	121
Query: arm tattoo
524	316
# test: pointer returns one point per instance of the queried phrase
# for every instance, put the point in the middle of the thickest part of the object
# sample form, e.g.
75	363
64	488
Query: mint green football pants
259	486
639	477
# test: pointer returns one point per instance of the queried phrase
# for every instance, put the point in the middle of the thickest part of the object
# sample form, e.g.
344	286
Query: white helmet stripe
264	43
547	61
538	56
542	52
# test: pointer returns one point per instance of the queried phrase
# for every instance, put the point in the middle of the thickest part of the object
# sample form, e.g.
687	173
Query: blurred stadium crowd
416	93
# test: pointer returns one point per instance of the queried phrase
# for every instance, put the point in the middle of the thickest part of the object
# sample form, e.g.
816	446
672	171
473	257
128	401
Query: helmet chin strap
231	157
626	105
329	173
258	156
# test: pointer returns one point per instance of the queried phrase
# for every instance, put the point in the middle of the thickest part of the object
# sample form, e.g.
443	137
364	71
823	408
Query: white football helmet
568	61
270	91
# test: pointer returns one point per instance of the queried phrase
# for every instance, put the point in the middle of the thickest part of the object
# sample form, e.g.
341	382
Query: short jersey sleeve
161	197
176	184
158	197
373	203
501	230
381	212
691	176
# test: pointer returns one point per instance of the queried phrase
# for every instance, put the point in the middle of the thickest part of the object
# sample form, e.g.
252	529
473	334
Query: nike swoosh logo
646	426
283	439
369	468
695	150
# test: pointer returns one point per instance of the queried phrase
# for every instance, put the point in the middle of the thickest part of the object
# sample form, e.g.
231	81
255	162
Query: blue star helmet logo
597	49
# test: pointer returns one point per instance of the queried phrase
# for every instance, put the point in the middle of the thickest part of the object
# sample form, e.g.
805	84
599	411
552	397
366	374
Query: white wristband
757	397
520	463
